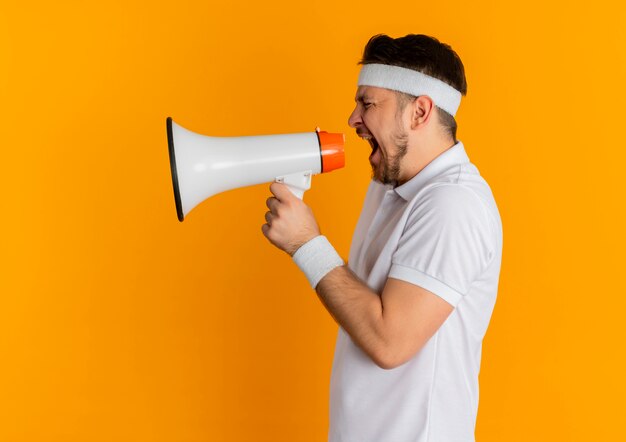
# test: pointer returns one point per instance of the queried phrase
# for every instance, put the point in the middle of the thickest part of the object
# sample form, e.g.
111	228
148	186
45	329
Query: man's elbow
386	364
389	358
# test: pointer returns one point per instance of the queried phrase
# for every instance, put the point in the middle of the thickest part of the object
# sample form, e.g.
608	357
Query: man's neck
420	156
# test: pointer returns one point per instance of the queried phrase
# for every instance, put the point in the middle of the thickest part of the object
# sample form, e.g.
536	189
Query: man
415	299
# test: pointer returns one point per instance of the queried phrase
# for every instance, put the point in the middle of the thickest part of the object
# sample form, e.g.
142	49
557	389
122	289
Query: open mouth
371	140
374	145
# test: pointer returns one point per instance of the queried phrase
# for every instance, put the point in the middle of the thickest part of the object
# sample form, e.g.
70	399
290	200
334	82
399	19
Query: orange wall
117	322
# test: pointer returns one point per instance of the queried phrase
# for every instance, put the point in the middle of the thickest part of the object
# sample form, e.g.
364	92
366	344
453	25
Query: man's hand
290	222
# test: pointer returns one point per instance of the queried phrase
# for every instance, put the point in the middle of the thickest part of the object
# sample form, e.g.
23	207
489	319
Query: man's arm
390	328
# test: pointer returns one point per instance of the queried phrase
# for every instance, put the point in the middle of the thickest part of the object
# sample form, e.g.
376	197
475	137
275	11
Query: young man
415	299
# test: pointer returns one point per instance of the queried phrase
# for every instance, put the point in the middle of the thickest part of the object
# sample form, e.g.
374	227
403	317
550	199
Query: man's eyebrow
362	98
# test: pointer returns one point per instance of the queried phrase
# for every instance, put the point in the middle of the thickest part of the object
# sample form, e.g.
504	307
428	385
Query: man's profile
414	300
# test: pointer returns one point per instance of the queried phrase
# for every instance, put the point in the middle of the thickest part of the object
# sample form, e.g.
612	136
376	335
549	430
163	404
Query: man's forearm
356	308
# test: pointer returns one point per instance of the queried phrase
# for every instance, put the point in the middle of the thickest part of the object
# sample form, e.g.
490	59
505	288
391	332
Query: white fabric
316	258
411	82
442	231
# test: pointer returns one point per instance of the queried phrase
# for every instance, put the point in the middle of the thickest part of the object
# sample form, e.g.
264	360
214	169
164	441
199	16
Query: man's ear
421	110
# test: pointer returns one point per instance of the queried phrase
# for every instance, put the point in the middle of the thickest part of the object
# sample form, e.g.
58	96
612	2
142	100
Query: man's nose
355	118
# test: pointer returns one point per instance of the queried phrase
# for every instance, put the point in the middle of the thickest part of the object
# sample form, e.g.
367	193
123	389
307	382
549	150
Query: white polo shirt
441	230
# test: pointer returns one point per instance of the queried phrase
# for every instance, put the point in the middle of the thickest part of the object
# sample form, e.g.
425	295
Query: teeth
370	139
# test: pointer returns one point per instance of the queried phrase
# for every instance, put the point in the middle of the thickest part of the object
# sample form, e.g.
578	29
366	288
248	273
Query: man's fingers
271	203
281	191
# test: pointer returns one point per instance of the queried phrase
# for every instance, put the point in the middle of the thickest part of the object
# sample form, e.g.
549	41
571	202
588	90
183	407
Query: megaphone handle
298	182
297	192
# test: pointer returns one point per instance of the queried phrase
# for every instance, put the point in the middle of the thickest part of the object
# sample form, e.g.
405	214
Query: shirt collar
451	157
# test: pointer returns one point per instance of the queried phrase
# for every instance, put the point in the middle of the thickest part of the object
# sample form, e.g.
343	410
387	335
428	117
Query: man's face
377	118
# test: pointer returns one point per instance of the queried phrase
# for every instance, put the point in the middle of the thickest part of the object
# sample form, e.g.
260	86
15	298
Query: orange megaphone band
331	150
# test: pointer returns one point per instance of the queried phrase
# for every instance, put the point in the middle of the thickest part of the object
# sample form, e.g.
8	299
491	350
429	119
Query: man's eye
367	105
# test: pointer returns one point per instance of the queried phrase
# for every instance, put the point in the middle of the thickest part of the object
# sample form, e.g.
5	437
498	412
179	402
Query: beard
387	170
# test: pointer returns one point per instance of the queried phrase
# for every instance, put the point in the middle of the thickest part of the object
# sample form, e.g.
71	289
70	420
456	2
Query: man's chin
383	179
375	176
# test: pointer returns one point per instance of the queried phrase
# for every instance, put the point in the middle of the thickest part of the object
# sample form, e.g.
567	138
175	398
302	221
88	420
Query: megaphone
203	166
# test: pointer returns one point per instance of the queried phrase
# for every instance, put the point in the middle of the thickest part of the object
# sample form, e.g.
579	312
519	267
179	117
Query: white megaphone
203	166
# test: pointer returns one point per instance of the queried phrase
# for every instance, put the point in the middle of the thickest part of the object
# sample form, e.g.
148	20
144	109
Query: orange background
117	322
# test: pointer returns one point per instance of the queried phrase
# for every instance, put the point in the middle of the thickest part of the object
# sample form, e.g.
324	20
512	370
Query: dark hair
424	54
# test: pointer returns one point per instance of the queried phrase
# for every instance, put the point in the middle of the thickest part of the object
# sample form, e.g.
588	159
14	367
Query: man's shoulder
456	206
447	196
451	203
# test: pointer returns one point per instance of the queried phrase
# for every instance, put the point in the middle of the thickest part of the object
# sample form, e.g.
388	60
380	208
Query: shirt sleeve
446	243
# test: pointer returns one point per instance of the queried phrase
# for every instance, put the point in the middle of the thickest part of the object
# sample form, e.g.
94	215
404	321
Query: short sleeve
446	243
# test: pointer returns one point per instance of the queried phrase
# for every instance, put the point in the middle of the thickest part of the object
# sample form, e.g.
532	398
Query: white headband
411	82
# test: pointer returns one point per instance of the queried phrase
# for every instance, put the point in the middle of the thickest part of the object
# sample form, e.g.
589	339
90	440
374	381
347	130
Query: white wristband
316	258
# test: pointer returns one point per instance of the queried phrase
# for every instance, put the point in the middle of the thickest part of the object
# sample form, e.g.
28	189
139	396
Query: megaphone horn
203	166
